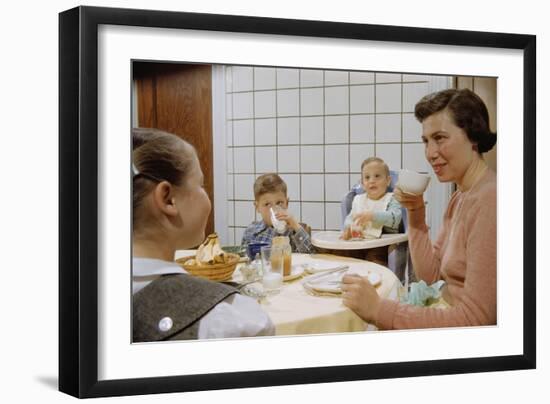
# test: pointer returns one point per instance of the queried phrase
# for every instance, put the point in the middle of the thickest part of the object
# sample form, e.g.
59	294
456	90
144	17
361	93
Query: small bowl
412	182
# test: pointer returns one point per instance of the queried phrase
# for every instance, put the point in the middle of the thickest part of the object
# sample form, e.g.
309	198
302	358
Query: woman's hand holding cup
408	200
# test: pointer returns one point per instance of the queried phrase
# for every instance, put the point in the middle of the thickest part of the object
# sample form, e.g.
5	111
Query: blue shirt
260	232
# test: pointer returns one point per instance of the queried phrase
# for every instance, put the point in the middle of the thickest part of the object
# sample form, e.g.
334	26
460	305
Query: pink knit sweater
464	256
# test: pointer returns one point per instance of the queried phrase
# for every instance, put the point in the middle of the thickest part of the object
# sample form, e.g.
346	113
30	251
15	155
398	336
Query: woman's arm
476	302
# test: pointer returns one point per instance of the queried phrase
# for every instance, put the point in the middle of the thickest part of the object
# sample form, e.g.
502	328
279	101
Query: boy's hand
362	219
288	218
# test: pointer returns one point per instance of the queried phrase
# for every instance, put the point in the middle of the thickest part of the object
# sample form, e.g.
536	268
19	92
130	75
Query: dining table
295	309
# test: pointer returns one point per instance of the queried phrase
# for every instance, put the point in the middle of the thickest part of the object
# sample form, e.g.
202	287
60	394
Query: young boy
374	212
270	193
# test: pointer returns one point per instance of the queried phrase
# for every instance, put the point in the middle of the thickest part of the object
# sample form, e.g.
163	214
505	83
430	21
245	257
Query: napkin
420	294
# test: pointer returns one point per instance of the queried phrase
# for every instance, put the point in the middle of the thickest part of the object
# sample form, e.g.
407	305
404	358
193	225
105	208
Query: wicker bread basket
214	272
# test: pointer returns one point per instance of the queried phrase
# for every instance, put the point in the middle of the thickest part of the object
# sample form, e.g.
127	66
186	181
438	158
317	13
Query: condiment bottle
283	242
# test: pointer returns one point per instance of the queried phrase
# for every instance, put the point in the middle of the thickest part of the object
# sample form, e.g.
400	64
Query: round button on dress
165	324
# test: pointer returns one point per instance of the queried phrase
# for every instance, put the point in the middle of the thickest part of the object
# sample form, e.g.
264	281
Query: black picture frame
78	200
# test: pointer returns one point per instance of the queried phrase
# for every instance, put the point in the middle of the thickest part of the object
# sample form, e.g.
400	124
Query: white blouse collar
152	266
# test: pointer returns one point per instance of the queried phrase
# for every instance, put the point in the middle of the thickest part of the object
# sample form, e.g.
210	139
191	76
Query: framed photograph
309	100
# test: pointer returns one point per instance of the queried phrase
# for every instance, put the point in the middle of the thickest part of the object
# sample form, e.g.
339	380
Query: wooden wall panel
486	88
177	98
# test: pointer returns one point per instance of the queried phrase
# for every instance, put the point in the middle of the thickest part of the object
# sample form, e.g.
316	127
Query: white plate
295	272
315	267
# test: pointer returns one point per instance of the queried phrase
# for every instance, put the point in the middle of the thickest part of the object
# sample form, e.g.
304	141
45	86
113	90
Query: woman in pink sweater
455	126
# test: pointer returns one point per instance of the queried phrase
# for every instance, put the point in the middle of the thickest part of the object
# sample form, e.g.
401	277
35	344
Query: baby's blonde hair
376	160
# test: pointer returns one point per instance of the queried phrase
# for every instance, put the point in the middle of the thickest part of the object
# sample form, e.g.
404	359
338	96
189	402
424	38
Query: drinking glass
272	262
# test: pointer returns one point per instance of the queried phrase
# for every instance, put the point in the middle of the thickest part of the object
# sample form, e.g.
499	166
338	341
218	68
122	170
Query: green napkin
420	294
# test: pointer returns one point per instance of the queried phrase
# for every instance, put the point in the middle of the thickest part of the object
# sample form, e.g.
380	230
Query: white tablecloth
294	311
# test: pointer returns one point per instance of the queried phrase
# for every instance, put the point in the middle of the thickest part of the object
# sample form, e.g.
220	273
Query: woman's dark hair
158	156
467	110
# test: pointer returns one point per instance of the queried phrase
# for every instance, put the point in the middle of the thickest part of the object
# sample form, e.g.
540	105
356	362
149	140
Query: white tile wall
243	106
265	131
412	129
333	216
388	98
229	161
229	133
413	157
412	93
243	159
361	78
314	215
315	128
337	129
294	207
230	183
228	79
336	100
264	78
335	78
388	128
311	78
361	99
266	160
288	78
391	154
229	106
265	104
311	101
415	77
231	213
312	130
292	186
243	132
337	185
243	78
336	158
230	237
361	128
313	187
289	159
311	158
288	130
288	103
388	78
244	213
358	153
239	231
244	186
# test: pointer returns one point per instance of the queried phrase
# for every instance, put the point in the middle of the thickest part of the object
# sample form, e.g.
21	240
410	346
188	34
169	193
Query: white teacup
412	182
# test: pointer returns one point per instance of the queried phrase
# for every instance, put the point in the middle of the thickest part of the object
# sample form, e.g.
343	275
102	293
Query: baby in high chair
376	211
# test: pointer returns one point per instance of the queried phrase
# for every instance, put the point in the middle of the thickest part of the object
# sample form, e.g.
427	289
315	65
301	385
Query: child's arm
354	209
302	241
391	217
